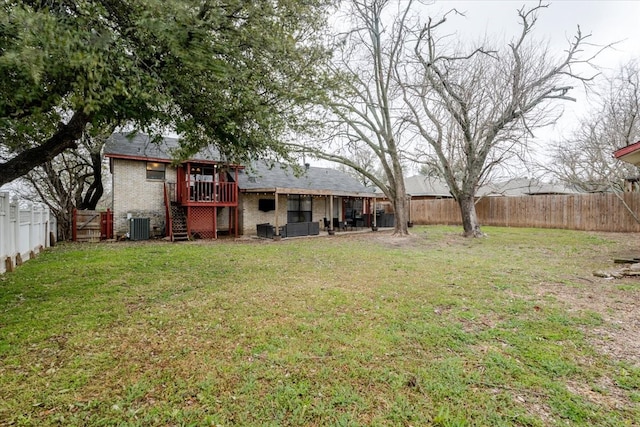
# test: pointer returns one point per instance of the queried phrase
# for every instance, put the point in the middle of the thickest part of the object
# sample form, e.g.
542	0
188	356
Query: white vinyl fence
24	231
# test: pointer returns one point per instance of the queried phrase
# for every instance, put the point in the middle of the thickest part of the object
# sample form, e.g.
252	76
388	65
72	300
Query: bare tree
363	114
475	110
584	159
366	160
72	180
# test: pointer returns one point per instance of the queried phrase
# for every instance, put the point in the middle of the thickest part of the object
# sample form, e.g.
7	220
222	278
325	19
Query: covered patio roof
314	181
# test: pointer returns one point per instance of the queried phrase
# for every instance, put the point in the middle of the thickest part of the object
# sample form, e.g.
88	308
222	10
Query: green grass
341	331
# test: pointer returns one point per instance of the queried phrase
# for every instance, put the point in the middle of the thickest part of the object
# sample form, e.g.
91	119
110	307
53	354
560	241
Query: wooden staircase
178	224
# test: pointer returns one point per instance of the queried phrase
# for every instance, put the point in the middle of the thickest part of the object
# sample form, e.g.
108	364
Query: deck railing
210	192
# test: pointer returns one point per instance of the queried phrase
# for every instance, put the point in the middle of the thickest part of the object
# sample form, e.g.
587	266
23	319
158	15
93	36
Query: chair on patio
348	223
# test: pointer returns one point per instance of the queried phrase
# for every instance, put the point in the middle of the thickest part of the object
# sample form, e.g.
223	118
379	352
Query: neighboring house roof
420	185
523	187
629	154
141	147
259	177
423	186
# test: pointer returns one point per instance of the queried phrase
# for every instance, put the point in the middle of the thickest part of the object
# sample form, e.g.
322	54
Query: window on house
155	170
353	208
299	208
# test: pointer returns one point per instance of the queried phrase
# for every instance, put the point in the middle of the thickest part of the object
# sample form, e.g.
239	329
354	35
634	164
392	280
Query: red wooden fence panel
106	225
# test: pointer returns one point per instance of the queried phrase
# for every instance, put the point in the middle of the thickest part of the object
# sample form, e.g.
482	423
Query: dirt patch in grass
615	300
415	240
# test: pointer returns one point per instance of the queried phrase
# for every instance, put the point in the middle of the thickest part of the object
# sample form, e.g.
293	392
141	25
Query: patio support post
276	232
374	214
331	230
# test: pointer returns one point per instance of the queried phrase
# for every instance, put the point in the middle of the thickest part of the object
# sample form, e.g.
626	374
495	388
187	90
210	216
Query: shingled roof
420	185
259	177
141	147
523	187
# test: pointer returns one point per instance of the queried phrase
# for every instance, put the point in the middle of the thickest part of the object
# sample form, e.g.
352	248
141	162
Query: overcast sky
607	21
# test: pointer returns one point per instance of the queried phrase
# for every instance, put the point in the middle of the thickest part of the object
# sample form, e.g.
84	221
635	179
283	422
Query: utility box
139	228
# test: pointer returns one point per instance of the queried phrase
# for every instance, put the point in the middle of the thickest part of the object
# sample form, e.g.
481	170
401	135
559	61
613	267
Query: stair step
179	224
177	237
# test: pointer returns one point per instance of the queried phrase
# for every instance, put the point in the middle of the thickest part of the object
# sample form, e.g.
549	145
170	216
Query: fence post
5	231
33	236
39	225
14	214
53	227
45	226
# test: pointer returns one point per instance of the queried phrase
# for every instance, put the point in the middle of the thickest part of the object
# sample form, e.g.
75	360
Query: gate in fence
92	226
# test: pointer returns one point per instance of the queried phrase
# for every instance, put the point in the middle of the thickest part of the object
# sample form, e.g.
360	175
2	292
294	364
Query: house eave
138	158
629	154
307	191
164	160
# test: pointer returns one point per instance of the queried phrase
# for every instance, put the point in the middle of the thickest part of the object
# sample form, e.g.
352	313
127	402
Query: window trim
299	199
157	169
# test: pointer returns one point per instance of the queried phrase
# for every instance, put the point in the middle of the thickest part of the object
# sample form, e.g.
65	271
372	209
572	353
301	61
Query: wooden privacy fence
92	226
25	229
588	212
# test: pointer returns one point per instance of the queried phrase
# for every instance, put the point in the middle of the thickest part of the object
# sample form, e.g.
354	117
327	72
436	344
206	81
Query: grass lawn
359	330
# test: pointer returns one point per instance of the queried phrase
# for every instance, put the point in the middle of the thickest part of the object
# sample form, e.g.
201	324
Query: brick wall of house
320	209
222	219
137	197
251	215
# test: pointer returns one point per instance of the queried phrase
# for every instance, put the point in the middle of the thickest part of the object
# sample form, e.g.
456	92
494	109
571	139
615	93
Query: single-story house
205	196
523	187
421	187
276	195
630	154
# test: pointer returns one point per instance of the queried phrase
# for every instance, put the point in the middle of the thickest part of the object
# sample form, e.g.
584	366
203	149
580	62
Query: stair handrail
167	206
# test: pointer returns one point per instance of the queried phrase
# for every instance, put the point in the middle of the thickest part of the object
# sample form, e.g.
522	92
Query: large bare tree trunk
399	201
401	211
470	222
